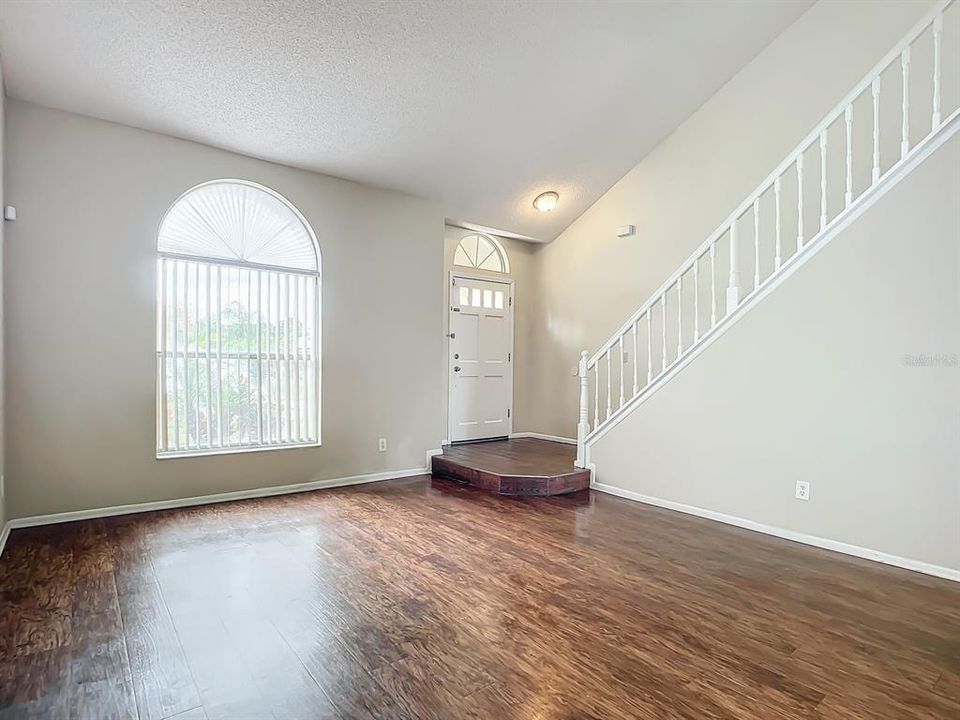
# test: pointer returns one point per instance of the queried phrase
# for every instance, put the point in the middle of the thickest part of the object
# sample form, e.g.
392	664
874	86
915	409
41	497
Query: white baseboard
430	456
4	534
210	499
824	543
544	436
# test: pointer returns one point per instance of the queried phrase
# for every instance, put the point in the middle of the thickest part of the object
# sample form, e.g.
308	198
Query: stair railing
657	329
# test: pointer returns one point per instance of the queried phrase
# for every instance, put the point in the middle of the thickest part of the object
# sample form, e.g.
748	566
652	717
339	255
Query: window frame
312	352
497	248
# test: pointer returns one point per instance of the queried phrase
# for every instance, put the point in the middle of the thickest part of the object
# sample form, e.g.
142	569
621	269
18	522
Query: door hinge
453	281
509	357
508	412
510	304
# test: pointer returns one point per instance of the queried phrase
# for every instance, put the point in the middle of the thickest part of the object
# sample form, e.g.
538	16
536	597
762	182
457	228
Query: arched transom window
482	252
238	326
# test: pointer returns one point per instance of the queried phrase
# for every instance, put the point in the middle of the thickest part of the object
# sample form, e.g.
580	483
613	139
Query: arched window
238	323
482	252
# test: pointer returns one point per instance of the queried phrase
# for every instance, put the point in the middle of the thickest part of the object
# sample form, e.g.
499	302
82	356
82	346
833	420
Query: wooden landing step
526	466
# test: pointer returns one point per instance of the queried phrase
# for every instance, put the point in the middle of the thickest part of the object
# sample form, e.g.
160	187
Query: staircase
806	201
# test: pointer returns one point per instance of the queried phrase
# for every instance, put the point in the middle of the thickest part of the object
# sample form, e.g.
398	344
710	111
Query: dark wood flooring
525	466
422	598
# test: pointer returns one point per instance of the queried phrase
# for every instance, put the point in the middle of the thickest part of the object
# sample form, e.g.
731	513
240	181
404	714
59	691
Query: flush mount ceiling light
545	202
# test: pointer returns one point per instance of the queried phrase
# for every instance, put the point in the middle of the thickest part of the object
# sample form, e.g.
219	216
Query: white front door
481	367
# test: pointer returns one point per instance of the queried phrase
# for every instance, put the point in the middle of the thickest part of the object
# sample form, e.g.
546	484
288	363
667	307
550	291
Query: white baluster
713	285
823	180
636	387
937	33
596	395
875	87
609	393
776	202
583	426
756	243
696	300
621	372
905	132
663	348
649	346
733	285
848	121
680	316
800	202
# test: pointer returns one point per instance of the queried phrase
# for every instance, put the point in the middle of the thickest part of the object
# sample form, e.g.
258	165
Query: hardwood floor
524	466
422	598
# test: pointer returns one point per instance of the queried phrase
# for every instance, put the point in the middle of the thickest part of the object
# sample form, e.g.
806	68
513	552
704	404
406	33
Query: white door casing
480	358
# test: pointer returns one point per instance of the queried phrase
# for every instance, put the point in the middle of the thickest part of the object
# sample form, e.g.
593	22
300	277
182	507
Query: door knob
456	368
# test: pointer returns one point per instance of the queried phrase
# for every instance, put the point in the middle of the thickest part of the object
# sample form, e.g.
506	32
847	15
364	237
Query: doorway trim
447	375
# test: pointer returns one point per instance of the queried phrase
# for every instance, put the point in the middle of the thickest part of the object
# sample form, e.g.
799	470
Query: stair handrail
934	18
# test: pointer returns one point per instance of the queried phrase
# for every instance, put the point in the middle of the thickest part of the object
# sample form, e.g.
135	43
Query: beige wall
814	384
91	195
590	281
81	316
3	203
523	272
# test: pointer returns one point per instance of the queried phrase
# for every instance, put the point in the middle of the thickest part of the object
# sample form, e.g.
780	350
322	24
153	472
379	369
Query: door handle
456	368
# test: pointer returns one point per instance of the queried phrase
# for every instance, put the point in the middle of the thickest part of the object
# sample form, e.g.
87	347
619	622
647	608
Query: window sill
232	451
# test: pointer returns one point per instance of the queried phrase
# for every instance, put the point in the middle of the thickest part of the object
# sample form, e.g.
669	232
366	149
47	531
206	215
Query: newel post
583	426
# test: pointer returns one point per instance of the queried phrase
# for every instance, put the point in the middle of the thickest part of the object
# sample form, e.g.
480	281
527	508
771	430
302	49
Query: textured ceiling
478	105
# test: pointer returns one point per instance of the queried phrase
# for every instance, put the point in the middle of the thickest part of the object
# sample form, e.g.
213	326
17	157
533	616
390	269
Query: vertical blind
236	357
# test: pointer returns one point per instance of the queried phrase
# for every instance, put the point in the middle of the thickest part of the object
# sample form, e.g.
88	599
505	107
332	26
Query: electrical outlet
382	445
803	490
